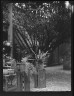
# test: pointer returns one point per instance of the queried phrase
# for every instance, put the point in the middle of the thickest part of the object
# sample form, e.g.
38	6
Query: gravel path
57	79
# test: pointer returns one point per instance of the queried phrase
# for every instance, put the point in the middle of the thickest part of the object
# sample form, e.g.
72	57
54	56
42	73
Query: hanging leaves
43	22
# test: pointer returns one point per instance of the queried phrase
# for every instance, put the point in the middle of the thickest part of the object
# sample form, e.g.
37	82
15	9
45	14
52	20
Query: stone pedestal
40	79
23	79
35	80
26	82
19	83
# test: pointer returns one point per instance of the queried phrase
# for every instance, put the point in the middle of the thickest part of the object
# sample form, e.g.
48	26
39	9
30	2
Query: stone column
10	29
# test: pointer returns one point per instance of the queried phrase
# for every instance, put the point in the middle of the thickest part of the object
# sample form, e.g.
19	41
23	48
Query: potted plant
39	77
40	61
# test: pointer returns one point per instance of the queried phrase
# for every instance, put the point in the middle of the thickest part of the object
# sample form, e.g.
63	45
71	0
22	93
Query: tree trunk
10	29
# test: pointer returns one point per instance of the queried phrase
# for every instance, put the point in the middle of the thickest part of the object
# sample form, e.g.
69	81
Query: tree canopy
39	25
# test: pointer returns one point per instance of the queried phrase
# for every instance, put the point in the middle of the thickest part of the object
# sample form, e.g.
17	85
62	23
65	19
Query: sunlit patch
67	4
23	5
16	4
72	8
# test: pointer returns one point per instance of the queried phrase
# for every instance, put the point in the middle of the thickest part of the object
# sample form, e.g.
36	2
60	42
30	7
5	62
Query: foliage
41	26
28	66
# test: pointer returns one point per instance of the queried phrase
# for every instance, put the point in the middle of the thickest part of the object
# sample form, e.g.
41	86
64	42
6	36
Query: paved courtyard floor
57	79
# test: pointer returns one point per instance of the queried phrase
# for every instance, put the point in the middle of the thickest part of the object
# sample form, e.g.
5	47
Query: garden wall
61	55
